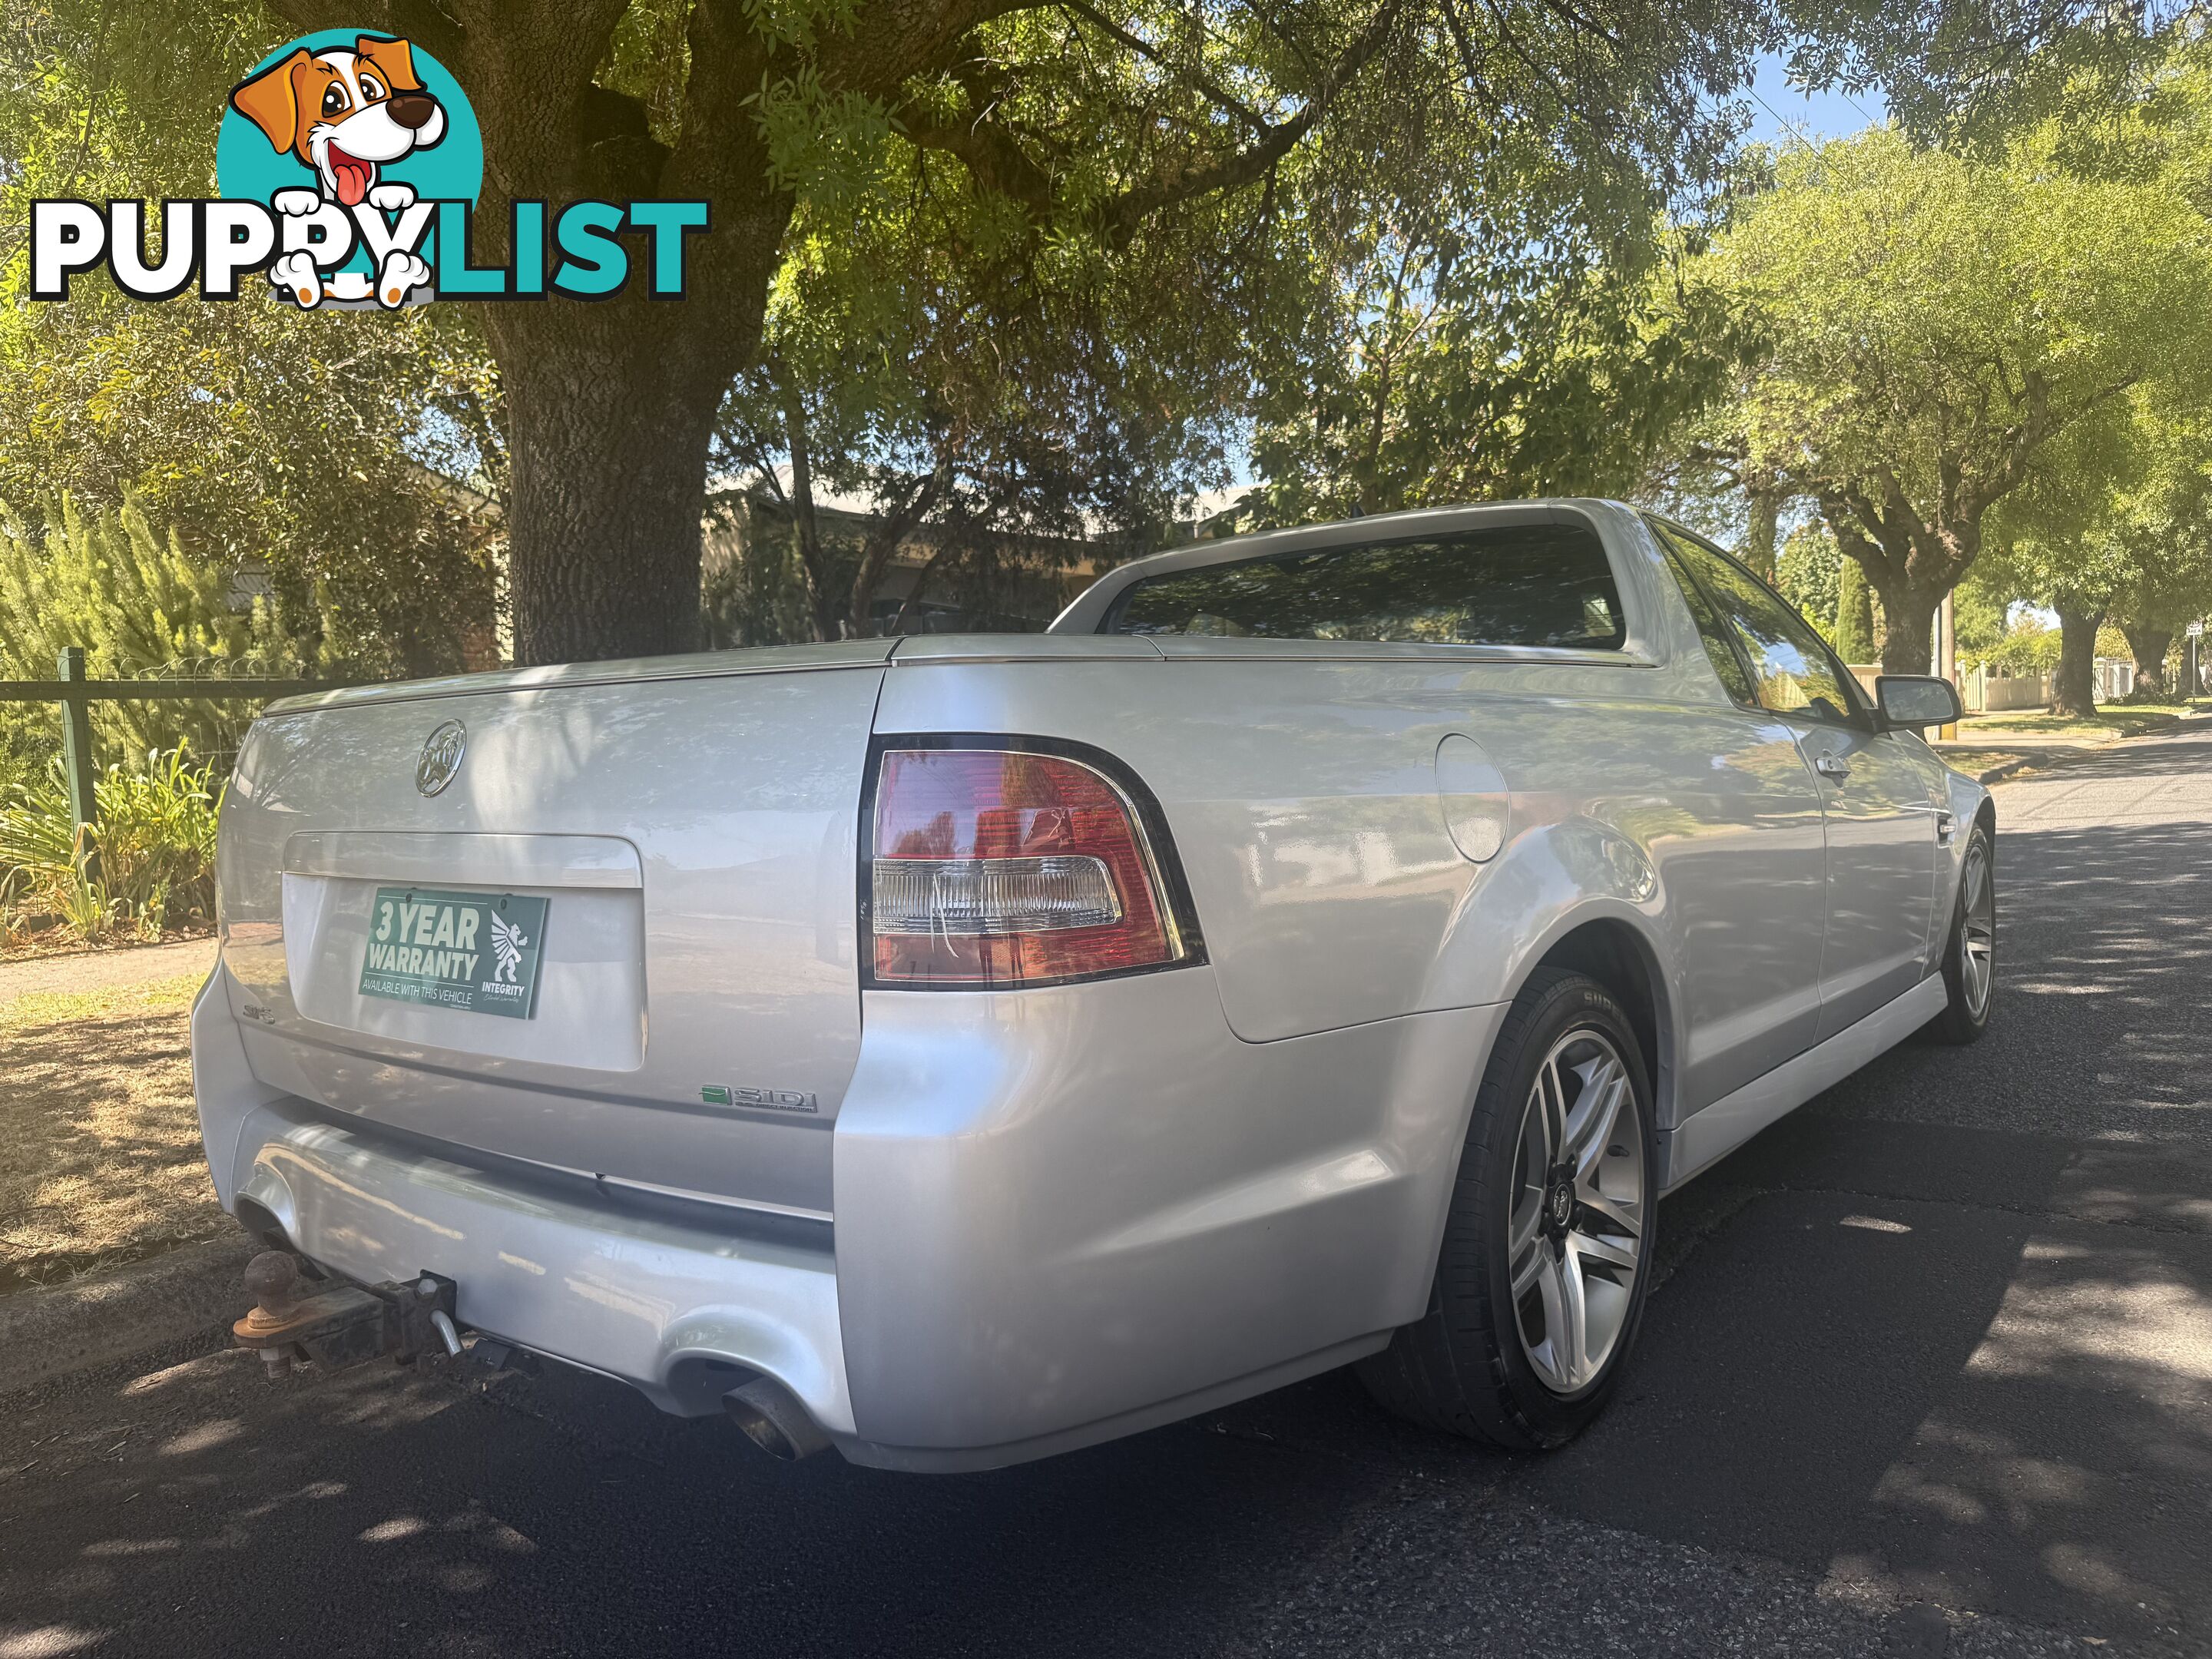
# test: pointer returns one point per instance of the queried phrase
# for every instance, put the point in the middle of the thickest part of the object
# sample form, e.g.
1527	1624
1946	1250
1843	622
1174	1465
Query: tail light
993	867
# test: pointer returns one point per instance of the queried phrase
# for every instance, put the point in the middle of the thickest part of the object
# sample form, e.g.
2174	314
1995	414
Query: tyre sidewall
1960	1022
1546	1419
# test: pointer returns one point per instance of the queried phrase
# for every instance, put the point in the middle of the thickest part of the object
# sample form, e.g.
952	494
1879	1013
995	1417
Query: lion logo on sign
506	944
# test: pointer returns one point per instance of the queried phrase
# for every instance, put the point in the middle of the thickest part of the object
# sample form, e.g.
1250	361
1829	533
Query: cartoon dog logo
345	115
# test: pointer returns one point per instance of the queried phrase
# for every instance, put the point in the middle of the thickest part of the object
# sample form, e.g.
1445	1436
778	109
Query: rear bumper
1061	1216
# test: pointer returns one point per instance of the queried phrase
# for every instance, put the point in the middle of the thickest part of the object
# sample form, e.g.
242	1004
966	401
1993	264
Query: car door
1749	891
1879	815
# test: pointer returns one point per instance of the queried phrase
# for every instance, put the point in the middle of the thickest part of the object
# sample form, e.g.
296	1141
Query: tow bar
343	1324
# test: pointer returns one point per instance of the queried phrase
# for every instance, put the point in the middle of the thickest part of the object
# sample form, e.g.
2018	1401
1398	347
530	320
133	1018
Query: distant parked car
1321	946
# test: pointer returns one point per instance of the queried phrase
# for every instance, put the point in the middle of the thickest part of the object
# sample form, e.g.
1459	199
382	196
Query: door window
1792	670
1719	642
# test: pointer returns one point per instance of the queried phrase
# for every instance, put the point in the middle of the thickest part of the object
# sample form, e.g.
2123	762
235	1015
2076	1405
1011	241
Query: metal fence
76	692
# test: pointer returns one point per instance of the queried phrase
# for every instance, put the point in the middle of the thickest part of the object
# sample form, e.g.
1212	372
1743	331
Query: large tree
1098	121
1934	325
2119	530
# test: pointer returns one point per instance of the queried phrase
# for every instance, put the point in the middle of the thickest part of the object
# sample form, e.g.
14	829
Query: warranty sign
475	952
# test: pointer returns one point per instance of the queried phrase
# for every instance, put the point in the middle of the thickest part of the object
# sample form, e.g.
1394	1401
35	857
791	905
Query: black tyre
1547	1254
1970	954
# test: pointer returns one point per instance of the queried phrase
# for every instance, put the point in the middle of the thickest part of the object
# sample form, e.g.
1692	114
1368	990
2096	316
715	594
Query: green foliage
2025	652
930	349
1950	347
758	596
138	606
1431	381
1809	573
155	867
1854	637
1979	607
358	456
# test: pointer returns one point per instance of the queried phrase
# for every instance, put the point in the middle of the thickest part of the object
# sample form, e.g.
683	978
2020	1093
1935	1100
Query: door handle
1831	766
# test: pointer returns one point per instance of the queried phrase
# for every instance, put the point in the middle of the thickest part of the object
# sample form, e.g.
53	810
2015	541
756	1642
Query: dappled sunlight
47	1640
2099	1317
101	1160
204	1438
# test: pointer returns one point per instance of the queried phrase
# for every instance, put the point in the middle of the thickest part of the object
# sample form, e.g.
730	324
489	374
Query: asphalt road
1930	1372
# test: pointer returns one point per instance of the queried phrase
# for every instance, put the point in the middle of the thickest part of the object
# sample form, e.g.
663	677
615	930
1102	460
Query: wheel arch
1617	955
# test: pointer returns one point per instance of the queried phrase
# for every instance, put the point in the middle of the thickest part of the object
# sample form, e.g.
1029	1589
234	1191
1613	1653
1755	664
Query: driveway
1930	1372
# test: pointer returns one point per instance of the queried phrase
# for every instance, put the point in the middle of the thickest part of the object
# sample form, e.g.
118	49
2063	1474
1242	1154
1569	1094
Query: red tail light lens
1003	868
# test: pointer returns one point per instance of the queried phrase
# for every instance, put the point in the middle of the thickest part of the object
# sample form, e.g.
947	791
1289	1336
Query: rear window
1543	585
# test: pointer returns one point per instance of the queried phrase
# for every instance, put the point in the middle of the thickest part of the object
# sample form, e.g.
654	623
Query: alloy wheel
1977	945
1574	1232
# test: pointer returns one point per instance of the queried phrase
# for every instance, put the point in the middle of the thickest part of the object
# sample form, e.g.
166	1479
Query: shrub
2026	653
155	841
1809	573
138	605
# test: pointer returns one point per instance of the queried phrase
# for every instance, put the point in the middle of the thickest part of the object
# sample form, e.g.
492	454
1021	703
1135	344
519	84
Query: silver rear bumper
1061	1216
642	1297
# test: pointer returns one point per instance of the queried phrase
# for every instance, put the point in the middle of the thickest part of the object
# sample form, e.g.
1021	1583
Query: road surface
1930	1372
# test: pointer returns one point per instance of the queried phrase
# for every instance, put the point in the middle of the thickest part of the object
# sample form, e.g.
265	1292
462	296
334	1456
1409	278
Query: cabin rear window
1541	585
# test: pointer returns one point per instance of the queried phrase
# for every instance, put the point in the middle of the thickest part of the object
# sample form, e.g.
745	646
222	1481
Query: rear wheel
1545	1261
1970	955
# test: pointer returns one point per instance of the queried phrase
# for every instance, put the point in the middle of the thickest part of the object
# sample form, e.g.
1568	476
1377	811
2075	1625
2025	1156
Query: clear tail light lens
1005	867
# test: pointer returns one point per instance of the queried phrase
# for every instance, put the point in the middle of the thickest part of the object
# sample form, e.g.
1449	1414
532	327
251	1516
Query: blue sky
1777	109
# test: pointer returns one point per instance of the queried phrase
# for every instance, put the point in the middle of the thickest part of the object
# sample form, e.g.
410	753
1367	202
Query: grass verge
2113	720
100	1150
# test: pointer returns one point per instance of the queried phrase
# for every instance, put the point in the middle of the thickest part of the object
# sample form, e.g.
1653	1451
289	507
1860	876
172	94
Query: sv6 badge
772	1100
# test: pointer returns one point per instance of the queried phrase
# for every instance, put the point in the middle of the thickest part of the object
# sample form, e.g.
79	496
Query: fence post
76	757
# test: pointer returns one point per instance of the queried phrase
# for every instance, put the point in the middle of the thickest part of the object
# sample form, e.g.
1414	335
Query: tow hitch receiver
343	1324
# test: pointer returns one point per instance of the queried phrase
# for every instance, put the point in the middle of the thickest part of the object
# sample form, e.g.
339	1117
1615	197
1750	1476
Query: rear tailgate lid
666	850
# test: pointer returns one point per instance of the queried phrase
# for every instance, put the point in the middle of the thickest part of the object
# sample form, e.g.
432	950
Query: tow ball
336	1324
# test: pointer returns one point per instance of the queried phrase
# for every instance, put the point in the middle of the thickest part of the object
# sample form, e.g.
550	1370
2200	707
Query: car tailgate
688	830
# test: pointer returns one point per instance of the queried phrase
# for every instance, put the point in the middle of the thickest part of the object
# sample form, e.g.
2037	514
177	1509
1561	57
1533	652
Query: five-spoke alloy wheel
1546	1258
1970	954
1575	1240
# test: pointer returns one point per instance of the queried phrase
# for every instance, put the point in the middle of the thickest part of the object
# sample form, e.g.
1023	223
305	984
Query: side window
1793	671
1710	629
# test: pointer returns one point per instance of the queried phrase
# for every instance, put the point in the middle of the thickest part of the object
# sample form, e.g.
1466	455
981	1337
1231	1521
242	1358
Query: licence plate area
580	1003
476	953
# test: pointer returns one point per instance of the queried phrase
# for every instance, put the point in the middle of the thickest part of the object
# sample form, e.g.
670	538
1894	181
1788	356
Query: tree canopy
1930	325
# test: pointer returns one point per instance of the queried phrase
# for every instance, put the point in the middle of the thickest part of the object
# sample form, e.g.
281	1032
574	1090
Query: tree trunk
2148	645
1908	645
2073	688
611	405
1758	537
609	478
894	522
805	531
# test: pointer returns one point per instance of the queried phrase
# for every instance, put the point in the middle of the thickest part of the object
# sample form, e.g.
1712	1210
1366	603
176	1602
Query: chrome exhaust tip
771	1417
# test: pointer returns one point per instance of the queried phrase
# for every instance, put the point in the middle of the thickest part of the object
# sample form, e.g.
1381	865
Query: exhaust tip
772	1419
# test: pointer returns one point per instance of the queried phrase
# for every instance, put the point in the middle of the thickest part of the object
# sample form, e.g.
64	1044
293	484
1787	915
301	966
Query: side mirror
1917	700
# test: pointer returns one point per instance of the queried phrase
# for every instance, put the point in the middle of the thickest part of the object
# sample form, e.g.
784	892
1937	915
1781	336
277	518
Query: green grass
100	1161
1975	761
155	842
2113	720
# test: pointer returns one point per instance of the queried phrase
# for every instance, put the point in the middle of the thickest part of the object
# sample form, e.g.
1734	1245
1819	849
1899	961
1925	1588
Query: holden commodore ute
1318	948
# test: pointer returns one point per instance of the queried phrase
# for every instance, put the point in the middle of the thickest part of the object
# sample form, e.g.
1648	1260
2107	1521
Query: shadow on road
1955	1339
1947	1333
